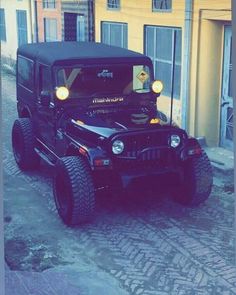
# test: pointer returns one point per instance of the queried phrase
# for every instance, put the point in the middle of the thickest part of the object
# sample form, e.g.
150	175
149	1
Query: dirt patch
31	255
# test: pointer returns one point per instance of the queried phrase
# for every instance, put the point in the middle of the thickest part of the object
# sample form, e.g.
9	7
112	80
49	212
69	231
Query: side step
44	157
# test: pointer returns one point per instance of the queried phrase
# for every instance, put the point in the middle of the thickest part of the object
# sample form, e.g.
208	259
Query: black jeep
90	110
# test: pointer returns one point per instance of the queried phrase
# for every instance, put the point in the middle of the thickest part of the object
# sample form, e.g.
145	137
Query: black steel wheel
73	189
23	143
197	181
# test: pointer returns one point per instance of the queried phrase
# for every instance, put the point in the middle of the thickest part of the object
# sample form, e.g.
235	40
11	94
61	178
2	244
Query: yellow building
17	26
193	37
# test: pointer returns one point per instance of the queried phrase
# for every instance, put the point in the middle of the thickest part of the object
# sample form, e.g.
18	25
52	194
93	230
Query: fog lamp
117	147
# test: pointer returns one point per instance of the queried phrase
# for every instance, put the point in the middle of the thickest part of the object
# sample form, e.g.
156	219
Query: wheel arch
25	112
73	150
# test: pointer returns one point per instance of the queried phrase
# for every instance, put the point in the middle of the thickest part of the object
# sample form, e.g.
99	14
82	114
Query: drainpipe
31	22
91	20
36	21
186	62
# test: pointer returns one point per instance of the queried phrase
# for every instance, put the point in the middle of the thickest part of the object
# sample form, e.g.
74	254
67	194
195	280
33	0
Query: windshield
99	80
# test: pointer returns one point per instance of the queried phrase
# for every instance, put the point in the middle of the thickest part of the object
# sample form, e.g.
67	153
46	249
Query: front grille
146	154
148	160
149	154
137	144
147	150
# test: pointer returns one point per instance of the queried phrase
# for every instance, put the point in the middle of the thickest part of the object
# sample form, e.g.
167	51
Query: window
113	4
21	27
159	45
80	28
25	72
2	25
115	34
50	29
44	78
49	4
161	5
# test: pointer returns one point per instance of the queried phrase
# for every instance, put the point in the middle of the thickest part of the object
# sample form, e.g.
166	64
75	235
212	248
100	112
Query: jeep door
45	115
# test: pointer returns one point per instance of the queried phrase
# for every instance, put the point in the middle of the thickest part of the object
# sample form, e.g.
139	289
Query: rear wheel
197	181
74	190
23	143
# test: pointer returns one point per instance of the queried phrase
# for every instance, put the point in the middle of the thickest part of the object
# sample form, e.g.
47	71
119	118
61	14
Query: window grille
115	34
113	4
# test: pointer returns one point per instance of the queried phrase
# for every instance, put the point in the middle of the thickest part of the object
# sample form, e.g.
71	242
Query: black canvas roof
59	53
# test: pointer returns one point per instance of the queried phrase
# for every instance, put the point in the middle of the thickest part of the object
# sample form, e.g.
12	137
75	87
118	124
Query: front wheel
196	185
74	190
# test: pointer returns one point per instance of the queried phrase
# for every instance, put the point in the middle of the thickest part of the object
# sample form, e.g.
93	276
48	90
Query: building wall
206	55
137	15
54	13
209	19
9	47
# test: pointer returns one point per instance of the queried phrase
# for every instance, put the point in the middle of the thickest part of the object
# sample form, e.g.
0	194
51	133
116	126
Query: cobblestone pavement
141	245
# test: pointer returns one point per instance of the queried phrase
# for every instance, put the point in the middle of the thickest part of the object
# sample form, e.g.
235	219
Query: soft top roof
63	53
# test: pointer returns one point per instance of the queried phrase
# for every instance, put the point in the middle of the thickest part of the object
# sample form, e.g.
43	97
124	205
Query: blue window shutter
2	25
21	27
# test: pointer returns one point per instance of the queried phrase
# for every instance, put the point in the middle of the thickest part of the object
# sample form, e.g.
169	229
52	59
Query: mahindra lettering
90	110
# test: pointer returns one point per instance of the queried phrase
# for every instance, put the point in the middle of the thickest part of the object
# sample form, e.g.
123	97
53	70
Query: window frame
121	24
155	59
31	78
154	9
49	19
111	6
3	36
49	4
40	67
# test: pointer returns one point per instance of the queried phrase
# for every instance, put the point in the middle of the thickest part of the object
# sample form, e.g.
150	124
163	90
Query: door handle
224	103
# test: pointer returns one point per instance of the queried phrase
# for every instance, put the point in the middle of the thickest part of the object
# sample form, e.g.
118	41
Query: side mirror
45	98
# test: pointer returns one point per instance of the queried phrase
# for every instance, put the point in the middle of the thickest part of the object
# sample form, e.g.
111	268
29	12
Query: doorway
226	138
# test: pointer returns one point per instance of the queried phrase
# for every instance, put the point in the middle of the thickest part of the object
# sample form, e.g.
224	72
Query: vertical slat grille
137	143
150	150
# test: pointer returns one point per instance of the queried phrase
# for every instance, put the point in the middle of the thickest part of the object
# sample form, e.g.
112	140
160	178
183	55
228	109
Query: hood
106	122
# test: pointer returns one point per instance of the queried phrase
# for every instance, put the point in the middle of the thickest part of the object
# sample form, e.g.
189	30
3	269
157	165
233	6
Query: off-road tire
197	181
23	143
73	190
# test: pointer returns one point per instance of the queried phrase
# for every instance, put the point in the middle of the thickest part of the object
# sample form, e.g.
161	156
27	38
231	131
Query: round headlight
62	93
117	147
174	140
157	86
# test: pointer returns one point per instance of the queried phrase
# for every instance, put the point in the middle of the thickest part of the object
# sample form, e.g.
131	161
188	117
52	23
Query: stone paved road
141	245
